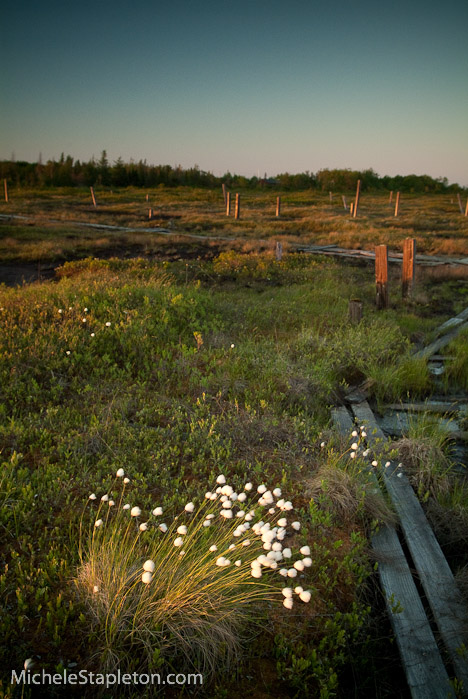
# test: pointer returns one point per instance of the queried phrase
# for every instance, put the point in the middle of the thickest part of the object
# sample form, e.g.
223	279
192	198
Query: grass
307	218
176	375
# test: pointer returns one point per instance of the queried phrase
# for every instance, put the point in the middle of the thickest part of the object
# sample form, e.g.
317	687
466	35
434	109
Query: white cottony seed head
221	479
146	578
288	603
120	473
157	511
135	512
189	507
149	566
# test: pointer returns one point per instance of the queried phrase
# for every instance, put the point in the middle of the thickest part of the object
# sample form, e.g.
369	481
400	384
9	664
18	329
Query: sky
242	87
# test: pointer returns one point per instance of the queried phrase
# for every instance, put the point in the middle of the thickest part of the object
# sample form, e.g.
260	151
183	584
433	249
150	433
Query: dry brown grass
307	217
346	495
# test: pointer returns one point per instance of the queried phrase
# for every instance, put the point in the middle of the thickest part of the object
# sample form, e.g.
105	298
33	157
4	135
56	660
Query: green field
179	371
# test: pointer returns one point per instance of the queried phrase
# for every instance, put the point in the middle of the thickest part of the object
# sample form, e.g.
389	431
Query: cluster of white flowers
259	521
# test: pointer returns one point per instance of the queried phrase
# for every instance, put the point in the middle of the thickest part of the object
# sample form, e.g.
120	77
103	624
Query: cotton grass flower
126	480
163	527
182	529
104	498
108	324
143	526
296	525
179	541
135	512
126	506
292	573
189	507
288	603
120	473
157	512
149	565
147	577
305	550
98	523
305	596
92	496
28	663
221	480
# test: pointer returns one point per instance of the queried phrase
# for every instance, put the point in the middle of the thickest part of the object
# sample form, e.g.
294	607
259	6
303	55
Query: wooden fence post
397	203
147	196
278	207
228	203
150	214
343	199
390	199
466	208
279	250
407	274
237	209
224	194
351	208
355	311
381	276
356	201
92	196
5	186
460	205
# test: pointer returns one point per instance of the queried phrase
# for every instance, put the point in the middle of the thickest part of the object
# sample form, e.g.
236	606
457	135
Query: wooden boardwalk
428	613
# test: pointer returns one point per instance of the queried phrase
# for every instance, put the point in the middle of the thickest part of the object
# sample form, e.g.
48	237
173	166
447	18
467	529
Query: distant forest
67	172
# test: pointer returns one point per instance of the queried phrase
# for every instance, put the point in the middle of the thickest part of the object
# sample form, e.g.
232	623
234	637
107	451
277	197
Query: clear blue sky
245	87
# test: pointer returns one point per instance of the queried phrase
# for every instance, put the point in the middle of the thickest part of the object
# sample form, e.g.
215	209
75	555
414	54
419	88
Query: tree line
68	172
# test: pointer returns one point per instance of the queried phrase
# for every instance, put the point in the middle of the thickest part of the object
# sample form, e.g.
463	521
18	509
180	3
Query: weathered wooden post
228	203
279	250
466	208
278	207
343	199
409	260
5	186
237	209
150	214
355	311
460	205
356	201
92	196
390	199
351	208
224	194
381	277
147	197
397	203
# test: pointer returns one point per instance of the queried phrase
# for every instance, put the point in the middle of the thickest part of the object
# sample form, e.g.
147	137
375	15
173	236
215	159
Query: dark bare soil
19	273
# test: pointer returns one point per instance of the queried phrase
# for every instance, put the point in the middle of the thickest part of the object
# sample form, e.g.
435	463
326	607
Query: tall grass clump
183	593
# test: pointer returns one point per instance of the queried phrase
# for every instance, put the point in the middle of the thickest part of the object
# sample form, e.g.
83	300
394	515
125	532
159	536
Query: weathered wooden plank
441	342
431	406
453	322
425	673
450	612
